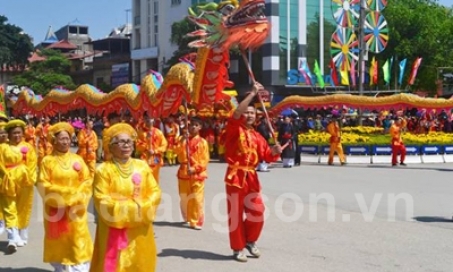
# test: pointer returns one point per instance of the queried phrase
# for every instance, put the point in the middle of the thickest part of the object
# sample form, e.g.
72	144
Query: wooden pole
186	124
252	76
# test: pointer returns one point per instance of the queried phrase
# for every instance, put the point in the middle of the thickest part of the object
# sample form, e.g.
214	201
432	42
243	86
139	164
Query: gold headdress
57	128
14	124
115	130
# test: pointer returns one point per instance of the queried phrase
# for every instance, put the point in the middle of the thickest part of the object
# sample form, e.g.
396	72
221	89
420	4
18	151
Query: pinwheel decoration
346	12
376	32
377	5
344	48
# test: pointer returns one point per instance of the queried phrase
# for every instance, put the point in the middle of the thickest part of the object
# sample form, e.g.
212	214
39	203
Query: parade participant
263	130
88	144
3	132
3	139
30	133
398	147
112	119
333	128
18	167
151	145
192	173
286	135
126	197
171	131
44	147
65	185
245	148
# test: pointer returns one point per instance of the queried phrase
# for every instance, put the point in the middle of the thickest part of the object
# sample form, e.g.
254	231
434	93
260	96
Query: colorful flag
344	77
334	73
414	71
373	72
305	71
386	69
402	66
318	75
353	75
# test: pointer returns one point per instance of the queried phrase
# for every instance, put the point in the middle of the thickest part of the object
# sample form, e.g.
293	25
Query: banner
319	75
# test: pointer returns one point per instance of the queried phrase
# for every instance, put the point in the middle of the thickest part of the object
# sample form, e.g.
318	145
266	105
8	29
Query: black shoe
343	163
403	164
394	164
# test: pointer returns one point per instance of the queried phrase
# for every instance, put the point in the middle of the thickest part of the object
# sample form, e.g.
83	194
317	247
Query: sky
101	16
35	16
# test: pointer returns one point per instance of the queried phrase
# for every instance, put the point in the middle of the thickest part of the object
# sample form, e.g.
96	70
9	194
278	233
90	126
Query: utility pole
127	16
362	49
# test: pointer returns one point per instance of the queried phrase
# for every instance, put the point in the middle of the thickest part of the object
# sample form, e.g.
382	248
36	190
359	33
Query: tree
15	46
44	75
179	37
420	28
313	41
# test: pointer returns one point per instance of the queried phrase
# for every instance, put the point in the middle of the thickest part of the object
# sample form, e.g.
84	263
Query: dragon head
230	24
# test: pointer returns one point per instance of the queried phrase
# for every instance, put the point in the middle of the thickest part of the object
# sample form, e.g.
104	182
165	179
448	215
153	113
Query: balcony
136	20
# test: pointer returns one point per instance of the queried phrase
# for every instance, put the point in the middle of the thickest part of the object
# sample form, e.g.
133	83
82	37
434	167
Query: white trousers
262	166
288	162
84	267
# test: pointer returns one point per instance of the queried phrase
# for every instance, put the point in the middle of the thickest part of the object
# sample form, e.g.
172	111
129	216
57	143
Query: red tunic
244	149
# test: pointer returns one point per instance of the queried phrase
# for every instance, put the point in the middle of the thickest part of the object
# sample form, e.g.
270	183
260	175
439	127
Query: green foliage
420	28
44	75
179	31
313	45
15	47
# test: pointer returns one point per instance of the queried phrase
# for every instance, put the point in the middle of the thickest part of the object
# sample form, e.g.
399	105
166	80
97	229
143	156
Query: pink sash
117	241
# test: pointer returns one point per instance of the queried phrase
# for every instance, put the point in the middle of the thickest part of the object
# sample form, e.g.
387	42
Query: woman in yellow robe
18	170
65	185
3	139
126	197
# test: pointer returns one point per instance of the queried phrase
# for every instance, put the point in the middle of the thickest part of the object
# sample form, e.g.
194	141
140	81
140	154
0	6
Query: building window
175	2
156	39
137	39
99	81
83	30
289	37
72	30
156	7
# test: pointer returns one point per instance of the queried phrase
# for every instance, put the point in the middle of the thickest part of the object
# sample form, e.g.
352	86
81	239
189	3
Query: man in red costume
244	149
398	147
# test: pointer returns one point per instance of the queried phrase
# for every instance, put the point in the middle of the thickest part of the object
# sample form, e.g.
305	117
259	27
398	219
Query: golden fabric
191	195
335	142
65	185
395	133
126	197
59	127
88	144
15	123
44	146
199	158
18	175
152	139
116	129
30	135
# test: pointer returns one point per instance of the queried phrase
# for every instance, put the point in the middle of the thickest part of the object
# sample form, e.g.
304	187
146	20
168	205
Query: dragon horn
191	12
210	6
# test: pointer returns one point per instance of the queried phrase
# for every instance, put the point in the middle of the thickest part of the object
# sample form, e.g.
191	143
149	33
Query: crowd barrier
379	154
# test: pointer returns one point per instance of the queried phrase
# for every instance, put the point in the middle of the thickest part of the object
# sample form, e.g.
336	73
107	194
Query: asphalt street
318	218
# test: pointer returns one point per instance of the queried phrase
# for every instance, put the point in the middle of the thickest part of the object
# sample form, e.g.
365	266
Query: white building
295	35
152	20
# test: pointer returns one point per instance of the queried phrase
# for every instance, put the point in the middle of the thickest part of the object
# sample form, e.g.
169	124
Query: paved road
353	227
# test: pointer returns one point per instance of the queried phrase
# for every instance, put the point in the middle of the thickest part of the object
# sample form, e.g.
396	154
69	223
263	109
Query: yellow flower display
374	136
